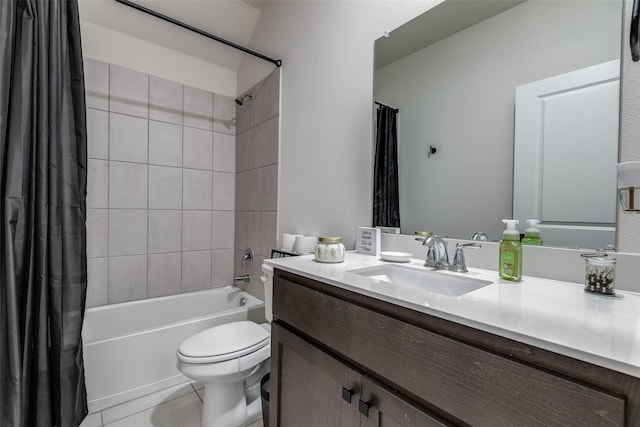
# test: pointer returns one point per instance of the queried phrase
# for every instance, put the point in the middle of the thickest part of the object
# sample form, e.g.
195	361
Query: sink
429	280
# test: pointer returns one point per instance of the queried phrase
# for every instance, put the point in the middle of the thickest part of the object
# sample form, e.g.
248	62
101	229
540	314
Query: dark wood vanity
340	358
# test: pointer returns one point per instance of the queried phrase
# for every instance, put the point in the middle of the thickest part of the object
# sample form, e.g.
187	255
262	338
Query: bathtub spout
241	279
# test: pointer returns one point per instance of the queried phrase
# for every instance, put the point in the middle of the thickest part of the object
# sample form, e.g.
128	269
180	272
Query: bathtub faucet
241	279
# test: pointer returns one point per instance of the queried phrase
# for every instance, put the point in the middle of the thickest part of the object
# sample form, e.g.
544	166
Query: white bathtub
130	348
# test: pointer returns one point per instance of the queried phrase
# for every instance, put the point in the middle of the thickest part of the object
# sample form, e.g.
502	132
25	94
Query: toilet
230	360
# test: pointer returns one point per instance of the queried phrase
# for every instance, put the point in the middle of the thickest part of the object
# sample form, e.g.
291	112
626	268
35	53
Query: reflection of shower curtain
43	167
386	205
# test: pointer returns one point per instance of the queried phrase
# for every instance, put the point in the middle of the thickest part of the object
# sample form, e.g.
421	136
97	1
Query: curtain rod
277	62
382	105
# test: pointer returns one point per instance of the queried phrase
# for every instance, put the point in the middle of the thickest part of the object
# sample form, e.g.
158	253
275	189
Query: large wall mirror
457	73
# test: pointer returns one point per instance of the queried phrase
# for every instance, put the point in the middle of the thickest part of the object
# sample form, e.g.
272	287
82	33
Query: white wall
459	95
117	48
327	106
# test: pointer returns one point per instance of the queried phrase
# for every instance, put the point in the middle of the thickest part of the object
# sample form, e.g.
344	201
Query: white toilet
230	360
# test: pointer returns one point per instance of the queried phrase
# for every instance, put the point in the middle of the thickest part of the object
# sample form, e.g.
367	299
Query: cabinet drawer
467	384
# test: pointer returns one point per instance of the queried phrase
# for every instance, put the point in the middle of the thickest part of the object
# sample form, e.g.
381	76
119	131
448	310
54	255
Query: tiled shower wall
257	177
161	186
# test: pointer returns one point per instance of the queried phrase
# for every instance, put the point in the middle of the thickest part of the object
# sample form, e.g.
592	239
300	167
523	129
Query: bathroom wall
161	186
327	106
257	177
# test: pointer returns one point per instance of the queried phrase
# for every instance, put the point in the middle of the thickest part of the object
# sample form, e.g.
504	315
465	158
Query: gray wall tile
242	227
97	233
224	191
196	271
97	281
198	148
97	183
269	193
243	116
128	138
222	267
224	114
165	231
224	152
128	185
165	274
254	231
242	191
198	108
127	278
272	95
97	134
96	84
257	108
197	189
165	144
127	232
268	230
223	230
165	100
242	152
165	187
270	141
128	92
254	189
196	230
254	147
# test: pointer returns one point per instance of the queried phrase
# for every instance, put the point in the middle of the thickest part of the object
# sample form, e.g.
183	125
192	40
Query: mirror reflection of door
566	139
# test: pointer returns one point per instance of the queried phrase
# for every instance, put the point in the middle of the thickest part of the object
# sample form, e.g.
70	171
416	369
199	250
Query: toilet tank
267	281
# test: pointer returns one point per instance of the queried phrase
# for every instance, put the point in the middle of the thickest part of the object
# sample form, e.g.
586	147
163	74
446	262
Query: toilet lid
224	342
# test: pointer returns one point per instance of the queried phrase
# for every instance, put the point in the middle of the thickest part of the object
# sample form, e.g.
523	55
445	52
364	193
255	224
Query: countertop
553	315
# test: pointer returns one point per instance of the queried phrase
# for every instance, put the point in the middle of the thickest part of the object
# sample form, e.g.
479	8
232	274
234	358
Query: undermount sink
429	280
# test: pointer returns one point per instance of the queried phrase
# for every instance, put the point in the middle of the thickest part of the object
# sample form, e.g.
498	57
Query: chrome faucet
438	257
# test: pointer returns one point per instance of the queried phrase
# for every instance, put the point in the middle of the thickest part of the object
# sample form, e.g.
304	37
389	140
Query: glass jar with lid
330	249
600	274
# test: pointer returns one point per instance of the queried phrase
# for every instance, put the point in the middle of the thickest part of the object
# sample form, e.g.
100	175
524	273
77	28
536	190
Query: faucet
438	257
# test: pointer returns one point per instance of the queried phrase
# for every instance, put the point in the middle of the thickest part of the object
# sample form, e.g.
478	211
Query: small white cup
288	241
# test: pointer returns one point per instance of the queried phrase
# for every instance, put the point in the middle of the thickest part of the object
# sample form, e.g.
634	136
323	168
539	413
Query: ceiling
445	19
233	20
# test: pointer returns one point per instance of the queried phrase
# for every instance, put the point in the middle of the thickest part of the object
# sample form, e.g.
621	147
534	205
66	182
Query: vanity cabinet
400	367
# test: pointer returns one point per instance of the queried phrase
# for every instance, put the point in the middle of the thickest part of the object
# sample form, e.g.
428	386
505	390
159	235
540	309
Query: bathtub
130	348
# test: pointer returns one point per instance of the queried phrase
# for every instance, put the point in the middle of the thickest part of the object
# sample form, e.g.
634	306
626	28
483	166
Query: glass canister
600	275
330	249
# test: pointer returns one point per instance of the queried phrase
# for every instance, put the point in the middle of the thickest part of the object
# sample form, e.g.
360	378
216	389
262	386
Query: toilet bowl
230	360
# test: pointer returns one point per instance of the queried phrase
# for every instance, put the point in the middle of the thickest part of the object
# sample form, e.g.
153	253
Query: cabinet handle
346	394
363	407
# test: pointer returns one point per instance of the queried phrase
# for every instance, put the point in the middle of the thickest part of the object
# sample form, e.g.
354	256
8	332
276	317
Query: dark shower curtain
43	167
386	204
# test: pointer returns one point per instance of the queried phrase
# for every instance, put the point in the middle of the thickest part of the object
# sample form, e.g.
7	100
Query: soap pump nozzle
533	224
511	232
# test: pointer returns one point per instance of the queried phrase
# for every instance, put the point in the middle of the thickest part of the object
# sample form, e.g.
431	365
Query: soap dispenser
510	252
532	234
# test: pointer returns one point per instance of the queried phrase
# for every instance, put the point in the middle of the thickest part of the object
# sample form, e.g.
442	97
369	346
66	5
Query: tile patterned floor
178	406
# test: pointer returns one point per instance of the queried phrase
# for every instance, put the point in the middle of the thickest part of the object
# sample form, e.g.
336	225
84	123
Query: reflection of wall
628	231
160	196
458	95
257	177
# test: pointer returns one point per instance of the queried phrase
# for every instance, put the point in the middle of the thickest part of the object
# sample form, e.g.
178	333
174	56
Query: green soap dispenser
510	252
532	234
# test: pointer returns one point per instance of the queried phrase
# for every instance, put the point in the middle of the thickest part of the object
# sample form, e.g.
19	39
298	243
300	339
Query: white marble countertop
553	315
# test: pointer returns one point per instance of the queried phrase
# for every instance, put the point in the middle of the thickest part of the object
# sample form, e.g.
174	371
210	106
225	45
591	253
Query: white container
330	249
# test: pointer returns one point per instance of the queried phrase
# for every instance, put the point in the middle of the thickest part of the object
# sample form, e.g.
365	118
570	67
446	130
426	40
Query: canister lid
330	239
423	233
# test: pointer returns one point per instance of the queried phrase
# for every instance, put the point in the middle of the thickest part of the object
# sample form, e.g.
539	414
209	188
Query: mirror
452	73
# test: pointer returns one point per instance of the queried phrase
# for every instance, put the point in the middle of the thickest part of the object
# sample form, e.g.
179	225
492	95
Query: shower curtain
43	169
386	204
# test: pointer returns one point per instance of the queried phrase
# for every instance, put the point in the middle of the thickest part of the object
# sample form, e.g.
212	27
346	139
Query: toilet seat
223	343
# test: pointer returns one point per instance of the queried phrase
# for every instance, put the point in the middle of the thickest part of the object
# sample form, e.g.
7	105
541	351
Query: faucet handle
459	265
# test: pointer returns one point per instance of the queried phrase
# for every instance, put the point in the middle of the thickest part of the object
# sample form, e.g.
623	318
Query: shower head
240	100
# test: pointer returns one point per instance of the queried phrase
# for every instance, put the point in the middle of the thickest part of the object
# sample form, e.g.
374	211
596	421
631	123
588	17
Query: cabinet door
312	388
381	407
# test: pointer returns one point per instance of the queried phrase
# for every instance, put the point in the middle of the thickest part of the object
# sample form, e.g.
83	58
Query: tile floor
177	406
